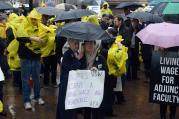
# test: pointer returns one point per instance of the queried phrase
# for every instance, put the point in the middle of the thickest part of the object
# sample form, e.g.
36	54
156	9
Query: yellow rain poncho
92	19
12	17
14	22
2	31
1	107
107	10
49	48
117	56
140	54
29	30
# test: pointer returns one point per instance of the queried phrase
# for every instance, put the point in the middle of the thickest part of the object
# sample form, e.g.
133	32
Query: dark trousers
92	113
147	56
4	66
134	63
61	112
163	111
110	83
17	79
50	65
1	91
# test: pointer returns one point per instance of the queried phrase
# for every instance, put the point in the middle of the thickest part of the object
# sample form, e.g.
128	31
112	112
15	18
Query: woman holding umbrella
71	61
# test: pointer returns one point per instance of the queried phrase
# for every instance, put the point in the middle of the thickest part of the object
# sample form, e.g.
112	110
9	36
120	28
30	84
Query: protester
164	107
104	23
134	49
30	43
105	9
12	49
49	55
71	61
3	40
2	49
93	61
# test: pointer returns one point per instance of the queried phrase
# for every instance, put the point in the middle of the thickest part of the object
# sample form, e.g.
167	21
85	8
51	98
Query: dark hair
90	41
111	16
105	15
119	17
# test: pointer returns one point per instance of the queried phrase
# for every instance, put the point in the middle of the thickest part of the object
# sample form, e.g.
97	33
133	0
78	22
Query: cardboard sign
164	84
85	89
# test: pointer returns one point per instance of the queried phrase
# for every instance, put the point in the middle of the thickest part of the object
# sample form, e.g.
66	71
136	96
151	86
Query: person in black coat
126	34
94	61
71	61
134	49
163	107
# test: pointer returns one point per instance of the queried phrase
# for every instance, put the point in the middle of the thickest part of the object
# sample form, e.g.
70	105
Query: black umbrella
83	31
87	2
128	5
65	6
73	14
145	17
51	11
5	6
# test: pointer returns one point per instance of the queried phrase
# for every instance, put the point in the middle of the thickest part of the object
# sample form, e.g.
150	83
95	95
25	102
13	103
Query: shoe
28	106
40	101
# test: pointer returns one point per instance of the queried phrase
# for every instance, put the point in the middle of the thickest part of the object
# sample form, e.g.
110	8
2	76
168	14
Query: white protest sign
1	75
85	89
95	9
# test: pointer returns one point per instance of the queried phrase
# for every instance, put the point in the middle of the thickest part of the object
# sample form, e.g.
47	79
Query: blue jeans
30	67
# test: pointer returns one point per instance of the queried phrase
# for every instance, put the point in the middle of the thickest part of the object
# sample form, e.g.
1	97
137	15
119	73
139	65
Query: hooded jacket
106	11
30	49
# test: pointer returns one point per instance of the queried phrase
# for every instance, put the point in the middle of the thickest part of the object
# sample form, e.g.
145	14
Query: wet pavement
136	106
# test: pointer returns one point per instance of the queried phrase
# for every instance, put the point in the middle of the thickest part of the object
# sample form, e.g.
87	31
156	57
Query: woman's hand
78	55
36	39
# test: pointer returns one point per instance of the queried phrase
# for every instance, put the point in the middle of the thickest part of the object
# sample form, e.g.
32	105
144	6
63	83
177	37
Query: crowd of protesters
30	48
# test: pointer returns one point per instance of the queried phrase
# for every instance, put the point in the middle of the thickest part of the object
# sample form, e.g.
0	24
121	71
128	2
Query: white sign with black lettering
85	89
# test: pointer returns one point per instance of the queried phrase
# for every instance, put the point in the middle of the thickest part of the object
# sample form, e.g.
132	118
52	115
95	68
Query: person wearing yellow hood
12	49
30	36
49	54
105	9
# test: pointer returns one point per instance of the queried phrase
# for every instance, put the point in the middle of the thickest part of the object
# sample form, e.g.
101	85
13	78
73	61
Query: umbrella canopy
161	34
166	8
51	11
128	4
65	6
171	8
156	2
87	2
5	6
73	14
83	31
145	17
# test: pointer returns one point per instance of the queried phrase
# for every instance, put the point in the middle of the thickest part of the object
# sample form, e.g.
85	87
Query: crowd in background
30	49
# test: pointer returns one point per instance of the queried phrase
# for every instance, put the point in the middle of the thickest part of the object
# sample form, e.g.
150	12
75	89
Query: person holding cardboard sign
71	61
167	83
94	61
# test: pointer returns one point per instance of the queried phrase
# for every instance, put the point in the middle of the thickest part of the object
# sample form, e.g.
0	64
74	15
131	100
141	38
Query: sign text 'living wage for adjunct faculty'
164	84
